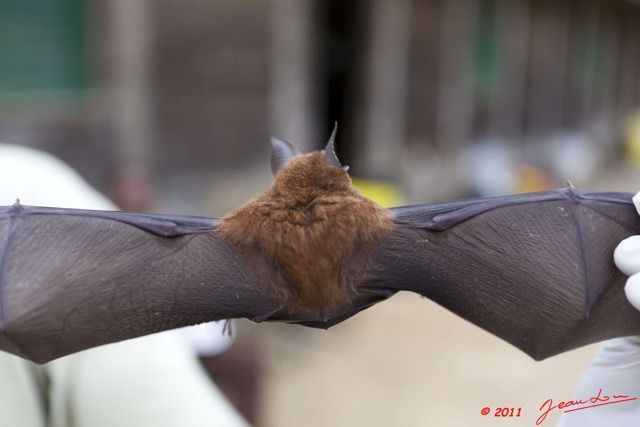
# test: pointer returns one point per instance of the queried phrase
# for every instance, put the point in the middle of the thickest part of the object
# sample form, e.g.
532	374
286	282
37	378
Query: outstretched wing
534	269
73	279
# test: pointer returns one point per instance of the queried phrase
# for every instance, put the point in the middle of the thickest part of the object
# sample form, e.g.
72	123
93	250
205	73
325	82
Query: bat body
534	269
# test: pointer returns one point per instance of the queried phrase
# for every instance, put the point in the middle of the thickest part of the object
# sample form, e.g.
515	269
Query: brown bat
534	269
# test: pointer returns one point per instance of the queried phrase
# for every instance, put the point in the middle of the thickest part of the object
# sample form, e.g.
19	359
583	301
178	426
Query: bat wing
75	279
534	269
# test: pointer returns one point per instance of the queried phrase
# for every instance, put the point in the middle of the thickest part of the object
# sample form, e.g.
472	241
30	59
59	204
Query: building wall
519	71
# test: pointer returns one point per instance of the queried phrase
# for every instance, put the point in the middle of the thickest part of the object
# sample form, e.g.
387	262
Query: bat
534	269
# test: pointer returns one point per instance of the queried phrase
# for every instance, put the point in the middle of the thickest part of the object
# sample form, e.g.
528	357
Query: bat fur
308	225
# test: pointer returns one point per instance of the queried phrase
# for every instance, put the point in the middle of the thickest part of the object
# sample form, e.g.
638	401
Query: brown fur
308	225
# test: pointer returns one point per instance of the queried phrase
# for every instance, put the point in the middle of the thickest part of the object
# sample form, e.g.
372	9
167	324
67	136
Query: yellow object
632	138
383	193
532	179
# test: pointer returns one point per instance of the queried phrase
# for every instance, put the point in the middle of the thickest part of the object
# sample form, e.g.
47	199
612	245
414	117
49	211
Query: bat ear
330	153
281	153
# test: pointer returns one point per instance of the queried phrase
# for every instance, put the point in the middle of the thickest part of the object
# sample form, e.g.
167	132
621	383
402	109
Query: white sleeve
150	381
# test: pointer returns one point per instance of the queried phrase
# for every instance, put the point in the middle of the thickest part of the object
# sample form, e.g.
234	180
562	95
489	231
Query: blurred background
167	106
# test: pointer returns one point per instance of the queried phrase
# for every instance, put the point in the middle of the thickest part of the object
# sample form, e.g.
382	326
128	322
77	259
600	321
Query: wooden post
547	67
455	94
506	115
294	106
131	102
131	55
379	129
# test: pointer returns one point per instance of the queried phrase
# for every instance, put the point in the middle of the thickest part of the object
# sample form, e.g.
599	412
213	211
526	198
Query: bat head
306	176
282	152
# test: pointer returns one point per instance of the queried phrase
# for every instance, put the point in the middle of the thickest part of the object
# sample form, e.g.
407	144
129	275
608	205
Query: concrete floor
407	362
